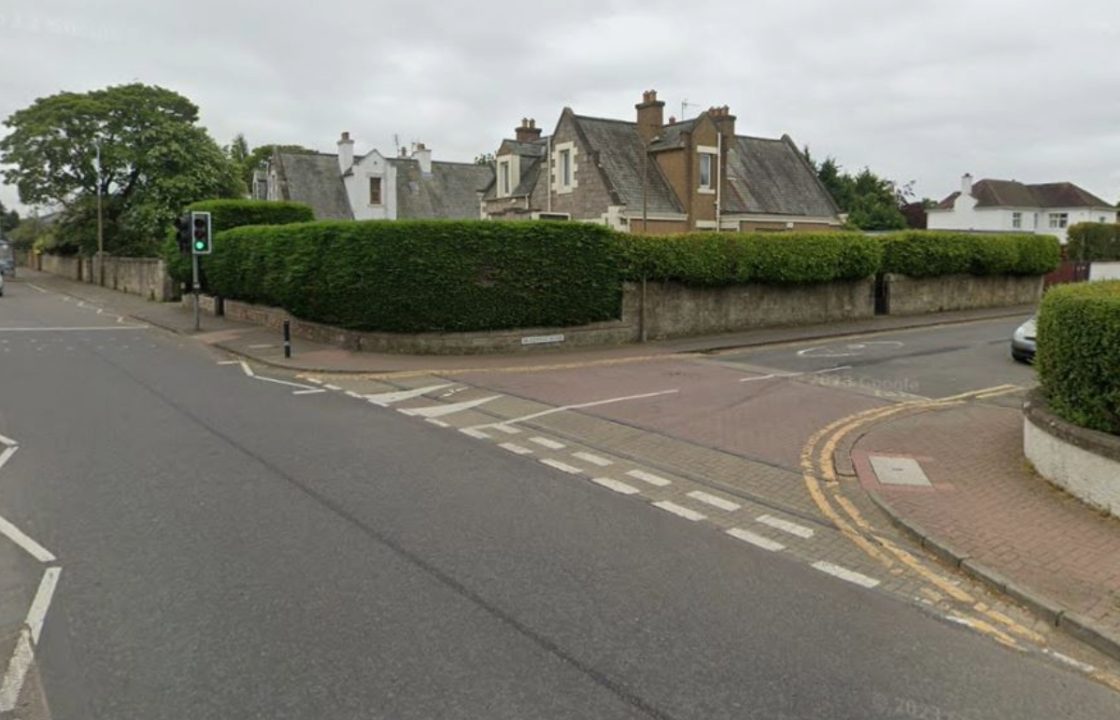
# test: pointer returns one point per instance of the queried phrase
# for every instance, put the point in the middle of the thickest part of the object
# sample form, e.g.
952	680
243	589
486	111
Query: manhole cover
898	471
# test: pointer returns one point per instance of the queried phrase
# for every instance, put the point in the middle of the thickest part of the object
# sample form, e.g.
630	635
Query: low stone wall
71	267
915	296
1084	463
146	277
674	310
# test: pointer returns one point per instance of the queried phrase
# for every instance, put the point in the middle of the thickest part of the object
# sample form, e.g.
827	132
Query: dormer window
564	170
707	157
375	191
503	178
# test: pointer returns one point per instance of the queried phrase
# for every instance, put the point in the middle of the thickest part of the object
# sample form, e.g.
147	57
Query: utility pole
100	223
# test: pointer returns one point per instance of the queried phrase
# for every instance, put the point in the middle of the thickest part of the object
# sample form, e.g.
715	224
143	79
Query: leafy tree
30	230
871	202
484	159
9	219
155	159
260	155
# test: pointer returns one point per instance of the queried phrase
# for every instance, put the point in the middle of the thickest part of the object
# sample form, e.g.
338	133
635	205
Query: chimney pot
528	131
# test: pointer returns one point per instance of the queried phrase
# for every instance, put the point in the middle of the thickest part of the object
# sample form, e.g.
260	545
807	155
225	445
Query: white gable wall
966	216
357	188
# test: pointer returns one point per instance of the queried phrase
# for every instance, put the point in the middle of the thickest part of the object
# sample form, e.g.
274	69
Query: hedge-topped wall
1079	353
920	253
416	276
1094	242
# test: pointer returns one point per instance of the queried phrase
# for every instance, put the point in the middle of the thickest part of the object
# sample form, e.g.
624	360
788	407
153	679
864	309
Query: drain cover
898	471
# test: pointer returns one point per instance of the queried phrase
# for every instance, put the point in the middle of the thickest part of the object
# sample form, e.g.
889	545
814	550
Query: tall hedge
415	276
1078	356
710	259
226	215
930	253
1094	241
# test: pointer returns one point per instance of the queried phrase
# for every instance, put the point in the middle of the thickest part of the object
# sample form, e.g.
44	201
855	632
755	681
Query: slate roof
670	135
313	178
620	153
449	192
1012	193
772	177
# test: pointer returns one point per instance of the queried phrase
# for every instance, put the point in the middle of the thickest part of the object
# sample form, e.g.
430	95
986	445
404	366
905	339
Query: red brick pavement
988	503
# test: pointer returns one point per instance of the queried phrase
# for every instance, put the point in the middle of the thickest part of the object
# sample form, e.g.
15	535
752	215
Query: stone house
655	176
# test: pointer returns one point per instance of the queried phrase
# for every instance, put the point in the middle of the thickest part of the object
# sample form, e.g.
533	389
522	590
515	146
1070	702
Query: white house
1012	206
373	186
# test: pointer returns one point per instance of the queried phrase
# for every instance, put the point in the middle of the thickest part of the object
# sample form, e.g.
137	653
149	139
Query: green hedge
1078	356
710	259
226	215
416	276
931	253
1094	241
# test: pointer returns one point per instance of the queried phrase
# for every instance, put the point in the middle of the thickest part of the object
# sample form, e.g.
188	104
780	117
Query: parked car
1	284
1023	341
7	260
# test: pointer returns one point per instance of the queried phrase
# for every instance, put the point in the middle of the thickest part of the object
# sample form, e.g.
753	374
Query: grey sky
916	90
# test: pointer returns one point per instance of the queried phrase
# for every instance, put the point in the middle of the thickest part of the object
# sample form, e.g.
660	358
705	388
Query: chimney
966	184
724	120
650	115
528	132
423	155
345	152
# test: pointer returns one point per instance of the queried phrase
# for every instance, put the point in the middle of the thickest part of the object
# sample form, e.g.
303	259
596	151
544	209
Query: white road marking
754	539
850	350
564	467
315	380
441	410
593	458
31	547
618	487
261	346
9	451
438	423
228	362
785	526
246	369
681	510
37	613
386	399
545	442
72	329
7	441
550	411
507	429
475	433
845	574
714	500
311	391
301	386
35	287
351	393
516	449
655	480
332	387
24	654
1083	667
838	368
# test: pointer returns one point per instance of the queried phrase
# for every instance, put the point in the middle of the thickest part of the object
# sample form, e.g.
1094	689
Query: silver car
1023	341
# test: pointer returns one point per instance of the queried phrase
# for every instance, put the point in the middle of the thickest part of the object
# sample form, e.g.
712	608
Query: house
651	176
374	186
1012	206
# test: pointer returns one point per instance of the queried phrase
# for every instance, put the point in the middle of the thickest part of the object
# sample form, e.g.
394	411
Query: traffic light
201	239
183	232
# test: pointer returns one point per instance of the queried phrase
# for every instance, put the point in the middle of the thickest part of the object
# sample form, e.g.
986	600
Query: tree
484	159
871	202
261	154
155	159
9	219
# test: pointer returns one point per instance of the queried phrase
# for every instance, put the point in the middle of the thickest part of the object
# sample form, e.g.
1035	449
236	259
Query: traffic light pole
195	287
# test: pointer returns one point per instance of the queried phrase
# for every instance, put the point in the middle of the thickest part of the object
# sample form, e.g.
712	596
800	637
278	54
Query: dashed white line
845	574
351	393
507	429
755	539
618	487
438	423
7	441
16	672
332	387
441	410
593	458
786	526
655	480
680	510
516	449
474	433
564	408
314	380
35	287
32	548
7	454
545	442
246	369
714	500
1083	667
228	362
795	374
385	399
309	391
37	613
563	467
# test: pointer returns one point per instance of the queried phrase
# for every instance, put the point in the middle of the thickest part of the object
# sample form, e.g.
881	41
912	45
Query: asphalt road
232	550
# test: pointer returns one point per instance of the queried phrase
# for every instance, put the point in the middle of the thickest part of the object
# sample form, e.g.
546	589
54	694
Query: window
705	171
1036	220
1059	220
1016	219
503	169
566	167
375	191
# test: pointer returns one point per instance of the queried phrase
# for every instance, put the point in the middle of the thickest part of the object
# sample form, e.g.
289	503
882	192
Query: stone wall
1084	463
71	267
915	296
146	277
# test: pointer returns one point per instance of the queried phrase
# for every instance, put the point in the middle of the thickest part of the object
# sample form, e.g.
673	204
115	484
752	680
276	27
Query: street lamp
100	225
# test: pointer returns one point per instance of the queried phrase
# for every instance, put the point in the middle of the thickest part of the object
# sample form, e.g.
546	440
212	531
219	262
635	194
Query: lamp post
100	224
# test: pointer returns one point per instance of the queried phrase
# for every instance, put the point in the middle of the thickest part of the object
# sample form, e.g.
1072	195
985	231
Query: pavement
987	509
240	541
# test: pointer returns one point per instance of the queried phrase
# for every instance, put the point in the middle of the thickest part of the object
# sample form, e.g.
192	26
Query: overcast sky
921	91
